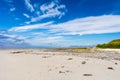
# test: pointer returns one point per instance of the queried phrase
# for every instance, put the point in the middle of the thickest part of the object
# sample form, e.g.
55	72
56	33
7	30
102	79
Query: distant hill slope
112	44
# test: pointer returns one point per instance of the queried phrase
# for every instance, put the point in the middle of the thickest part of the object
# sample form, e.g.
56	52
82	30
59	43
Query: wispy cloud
45	41
27	22
54	34
12	9
11	5
88	25
38	12
9	1
29	6
7	36
26	15
52	9
81	26
29	27
8	40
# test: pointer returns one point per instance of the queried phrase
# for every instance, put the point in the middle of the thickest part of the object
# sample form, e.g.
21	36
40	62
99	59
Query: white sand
55	67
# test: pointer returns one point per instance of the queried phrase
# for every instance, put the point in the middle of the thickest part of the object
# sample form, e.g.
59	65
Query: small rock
50	70
61	72
68	71
44	57
69	58
116	63
17	52
87	75
110	68
62	66
83	62
56	67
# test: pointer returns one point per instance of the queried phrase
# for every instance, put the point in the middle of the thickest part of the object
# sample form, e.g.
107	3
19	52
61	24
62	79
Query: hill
112	44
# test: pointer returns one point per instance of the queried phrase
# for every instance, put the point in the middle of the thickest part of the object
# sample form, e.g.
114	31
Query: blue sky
58	23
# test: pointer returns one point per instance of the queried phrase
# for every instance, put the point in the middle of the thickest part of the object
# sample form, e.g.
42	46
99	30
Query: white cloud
49	10
45	41
12	9
5	36
54	33
26	15
48	15
81	26
88	25
27	22
9	1
11	5
52	9
29	27
8	40
17	18
45	7
29	5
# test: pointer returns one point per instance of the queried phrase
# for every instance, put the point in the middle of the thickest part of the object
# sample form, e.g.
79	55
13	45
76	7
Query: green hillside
111	44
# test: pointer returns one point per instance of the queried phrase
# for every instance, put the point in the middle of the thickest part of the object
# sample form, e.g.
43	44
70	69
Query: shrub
111	44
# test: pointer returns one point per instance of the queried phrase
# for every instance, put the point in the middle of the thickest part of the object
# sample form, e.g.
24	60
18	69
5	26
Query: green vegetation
111	44
74	49
79	49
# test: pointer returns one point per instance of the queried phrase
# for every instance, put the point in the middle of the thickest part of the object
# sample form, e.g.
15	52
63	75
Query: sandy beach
50	64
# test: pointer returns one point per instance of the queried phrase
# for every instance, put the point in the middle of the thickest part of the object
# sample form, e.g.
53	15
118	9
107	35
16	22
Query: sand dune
35	64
